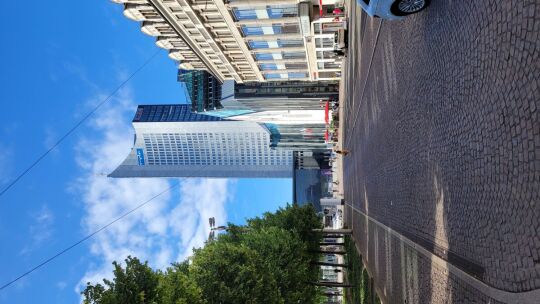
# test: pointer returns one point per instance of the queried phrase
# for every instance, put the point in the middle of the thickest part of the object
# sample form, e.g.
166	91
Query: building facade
203	89
317	159
171	141
294	130
245	40
289	89
310	185
280	95
293	111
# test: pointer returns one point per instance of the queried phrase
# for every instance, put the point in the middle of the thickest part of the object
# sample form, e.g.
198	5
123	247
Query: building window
282	11
275	44
294	55
245	14
265	56
275	76
258	44
325	42
298	75
280	55
326	55
328	65
328	74
268	66
299	65
253	30
290	43
270	12
289	28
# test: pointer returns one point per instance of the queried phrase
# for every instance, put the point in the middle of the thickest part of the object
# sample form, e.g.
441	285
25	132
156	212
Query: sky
61	58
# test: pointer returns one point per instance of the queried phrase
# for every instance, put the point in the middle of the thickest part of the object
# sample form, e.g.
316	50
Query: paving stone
444	137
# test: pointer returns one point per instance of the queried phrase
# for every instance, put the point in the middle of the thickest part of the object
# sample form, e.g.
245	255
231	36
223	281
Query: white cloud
51	137
6	158
161	232
61	285
200	200
41	230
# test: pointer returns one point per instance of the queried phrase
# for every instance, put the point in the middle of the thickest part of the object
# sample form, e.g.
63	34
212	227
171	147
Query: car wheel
407	7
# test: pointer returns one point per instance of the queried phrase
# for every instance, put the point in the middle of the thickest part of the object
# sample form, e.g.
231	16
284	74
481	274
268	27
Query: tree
301	220
136	284
232	273
285	256
267	261
286	242
177	287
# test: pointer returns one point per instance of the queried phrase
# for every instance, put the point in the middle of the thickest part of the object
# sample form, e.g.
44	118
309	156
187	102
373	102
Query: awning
326	110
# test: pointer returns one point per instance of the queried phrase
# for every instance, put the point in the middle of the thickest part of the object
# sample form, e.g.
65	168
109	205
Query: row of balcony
230	41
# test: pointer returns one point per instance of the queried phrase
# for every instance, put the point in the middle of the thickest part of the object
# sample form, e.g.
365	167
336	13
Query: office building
288	89
279	95
203	89
310	185
296	130
245	41
171	141
293	111
316	159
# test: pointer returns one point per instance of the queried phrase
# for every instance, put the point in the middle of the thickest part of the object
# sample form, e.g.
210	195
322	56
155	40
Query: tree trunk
329	294
331	284
329	264
334	231
329	251
335	236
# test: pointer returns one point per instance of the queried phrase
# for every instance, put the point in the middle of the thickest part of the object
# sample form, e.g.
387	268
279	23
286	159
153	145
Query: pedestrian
343	152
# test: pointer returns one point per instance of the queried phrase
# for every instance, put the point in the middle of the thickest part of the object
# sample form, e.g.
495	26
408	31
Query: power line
85	238
78	124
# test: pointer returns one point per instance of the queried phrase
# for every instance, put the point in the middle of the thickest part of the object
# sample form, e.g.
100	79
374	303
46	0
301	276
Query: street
441	121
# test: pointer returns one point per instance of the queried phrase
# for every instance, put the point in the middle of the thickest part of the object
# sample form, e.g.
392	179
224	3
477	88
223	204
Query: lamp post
213	228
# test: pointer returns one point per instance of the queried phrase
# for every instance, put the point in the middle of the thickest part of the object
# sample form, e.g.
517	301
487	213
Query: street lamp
213	228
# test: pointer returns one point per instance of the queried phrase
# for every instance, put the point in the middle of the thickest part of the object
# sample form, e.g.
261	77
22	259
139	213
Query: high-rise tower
171	141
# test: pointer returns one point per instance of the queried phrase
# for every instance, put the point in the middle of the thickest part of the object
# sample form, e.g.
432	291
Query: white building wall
204	149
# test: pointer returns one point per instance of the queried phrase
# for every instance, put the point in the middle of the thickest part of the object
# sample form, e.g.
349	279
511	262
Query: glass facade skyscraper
282	95
203	89
170	142
169	113
278	95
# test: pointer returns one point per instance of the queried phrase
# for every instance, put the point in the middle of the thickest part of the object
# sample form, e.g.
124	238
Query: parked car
392	9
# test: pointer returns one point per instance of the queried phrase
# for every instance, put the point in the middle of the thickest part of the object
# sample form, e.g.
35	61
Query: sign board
140	157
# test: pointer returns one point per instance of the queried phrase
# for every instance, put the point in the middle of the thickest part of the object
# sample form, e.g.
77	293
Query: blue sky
60	58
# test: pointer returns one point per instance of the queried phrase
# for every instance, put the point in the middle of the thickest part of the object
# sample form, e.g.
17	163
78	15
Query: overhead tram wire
43	263
78	124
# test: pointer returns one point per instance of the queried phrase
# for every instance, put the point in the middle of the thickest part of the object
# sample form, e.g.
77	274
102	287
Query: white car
392	9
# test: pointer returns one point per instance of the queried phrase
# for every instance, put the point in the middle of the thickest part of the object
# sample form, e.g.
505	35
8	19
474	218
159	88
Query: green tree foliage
136	284
267	261
177	287
232	273
285	256
300	220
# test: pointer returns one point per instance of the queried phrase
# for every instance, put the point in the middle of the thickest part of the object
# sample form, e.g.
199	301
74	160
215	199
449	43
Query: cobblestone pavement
443	127
403	275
